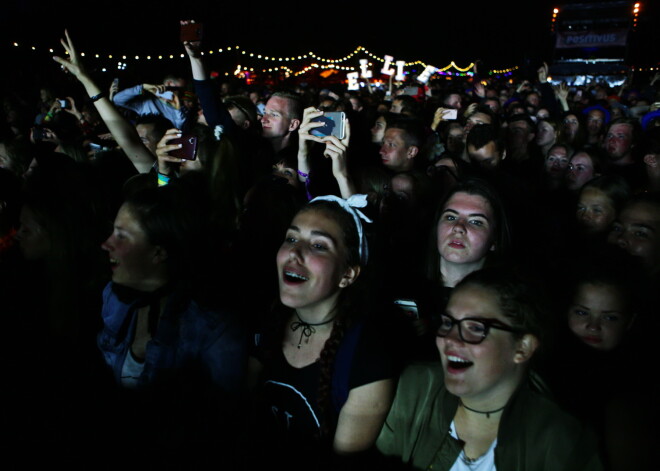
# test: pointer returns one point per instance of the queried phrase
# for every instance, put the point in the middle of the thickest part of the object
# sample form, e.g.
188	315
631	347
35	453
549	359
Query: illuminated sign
607	38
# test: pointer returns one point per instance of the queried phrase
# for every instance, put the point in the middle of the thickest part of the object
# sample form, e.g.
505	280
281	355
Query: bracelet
163	179
94	98
303	174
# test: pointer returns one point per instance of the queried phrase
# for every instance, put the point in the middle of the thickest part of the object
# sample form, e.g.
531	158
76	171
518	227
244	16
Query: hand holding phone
191	31
333	125
450	114
188	149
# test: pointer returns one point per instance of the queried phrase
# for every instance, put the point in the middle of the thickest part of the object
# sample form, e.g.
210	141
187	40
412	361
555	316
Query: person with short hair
402	142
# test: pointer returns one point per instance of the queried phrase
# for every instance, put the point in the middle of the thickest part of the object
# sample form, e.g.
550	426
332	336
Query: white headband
350	205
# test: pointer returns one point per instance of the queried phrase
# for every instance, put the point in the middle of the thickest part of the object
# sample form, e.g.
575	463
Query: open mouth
455	363
114	263
457	244
293	277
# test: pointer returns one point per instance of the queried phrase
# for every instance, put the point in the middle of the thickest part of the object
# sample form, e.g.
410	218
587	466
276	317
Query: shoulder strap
343	363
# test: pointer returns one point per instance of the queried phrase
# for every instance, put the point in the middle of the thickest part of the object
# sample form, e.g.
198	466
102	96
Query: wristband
94	98
163	179
303	174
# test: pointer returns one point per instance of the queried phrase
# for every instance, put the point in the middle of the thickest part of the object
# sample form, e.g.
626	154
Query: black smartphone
188	150
192	32
333	124
38	134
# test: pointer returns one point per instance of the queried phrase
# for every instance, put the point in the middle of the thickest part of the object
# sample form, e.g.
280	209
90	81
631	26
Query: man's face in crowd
595	122
276	122
618	141
487	157
394	152
146	133
454	101
476	118
397	106
520	134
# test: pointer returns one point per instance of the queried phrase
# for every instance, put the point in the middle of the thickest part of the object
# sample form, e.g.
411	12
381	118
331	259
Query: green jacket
534	433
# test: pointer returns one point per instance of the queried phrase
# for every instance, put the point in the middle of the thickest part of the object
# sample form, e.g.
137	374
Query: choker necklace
307	329
487	413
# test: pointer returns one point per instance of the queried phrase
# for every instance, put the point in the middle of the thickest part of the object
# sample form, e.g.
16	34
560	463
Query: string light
344	64
636	7
555	12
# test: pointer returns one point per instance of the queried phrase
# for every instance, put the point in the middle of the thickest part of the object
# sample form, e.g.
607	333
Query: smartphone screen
333	124
167	95
408	307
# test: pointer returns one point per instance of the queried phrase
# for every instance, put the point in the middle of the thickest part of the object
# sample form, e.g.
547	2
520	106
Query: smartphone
38	134
98	147
450	114
188	151
408	307
191	32
413	91
333	124
64	104
166	95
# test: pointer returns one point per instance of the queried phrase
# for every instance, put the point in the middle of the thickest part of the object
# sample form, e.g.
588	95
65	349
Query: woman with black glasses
480	407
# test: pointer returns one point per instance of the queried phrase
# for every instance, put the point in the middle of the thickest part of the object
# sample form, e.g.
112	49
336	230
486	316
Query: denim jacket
187	336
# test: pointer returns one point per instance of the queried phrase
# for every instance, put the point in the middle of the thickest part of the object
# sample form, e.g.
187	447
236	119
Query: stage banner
606	38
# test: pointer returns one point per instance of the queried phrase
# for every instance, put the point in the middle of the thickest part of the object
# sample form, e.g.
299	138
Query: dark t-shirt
288	420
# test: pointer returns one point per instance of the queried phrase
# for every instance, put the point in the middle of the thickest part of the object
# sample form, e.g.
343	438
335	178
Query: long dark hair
351	306
502	235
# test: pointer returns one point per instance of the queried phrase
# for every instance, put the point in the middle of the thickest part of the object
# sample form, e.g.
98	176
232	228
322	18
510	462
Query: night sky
435	32
500	34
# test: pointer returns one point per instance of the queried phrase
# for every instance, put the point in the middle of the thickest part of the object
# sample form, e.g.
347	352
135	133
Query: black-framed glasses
471	329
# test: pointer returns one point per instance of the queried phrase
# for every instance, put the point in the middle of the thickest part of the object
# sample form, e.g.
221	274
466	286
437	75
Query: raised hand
439	116
193	48
561	91
163	148
336	149
72	64
305	137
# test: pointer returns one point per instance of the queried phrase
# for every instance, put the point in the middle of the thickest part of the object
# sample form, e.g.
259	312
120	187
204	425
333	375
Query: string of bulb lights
287	65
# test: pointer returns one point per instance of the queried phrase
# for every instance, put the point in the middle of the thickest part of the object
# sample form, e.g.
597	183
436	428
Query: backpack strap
343	363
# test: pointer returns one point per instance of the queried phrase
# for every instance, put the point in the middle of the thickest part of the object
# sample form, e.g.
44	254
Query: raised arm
305	140
215	111
122	130
194	54
336	149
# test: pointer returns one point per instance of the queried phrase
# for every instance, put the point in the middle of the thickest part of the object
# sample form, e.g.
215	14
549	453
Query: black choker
486	413
307	328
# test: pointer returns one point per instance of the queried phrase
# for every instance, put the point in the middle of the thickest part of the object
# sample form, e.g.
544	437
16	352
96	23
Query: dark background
436	32
500	34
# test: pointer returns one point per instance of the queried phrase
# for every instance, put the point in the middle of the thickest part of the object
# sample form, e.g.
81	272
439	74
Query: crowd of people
195	275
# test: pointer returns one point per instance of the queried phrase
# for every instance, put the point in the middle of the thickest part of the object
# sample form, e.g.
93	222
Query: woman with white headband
323	376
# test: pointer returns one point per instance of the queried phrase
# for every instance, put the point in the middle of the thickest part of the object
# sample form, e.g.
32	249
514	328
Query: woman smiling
323	379
479	408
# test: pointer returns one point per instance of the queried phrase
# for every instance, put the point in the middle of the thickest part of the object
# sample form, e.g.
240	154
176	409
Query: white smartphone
408	307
